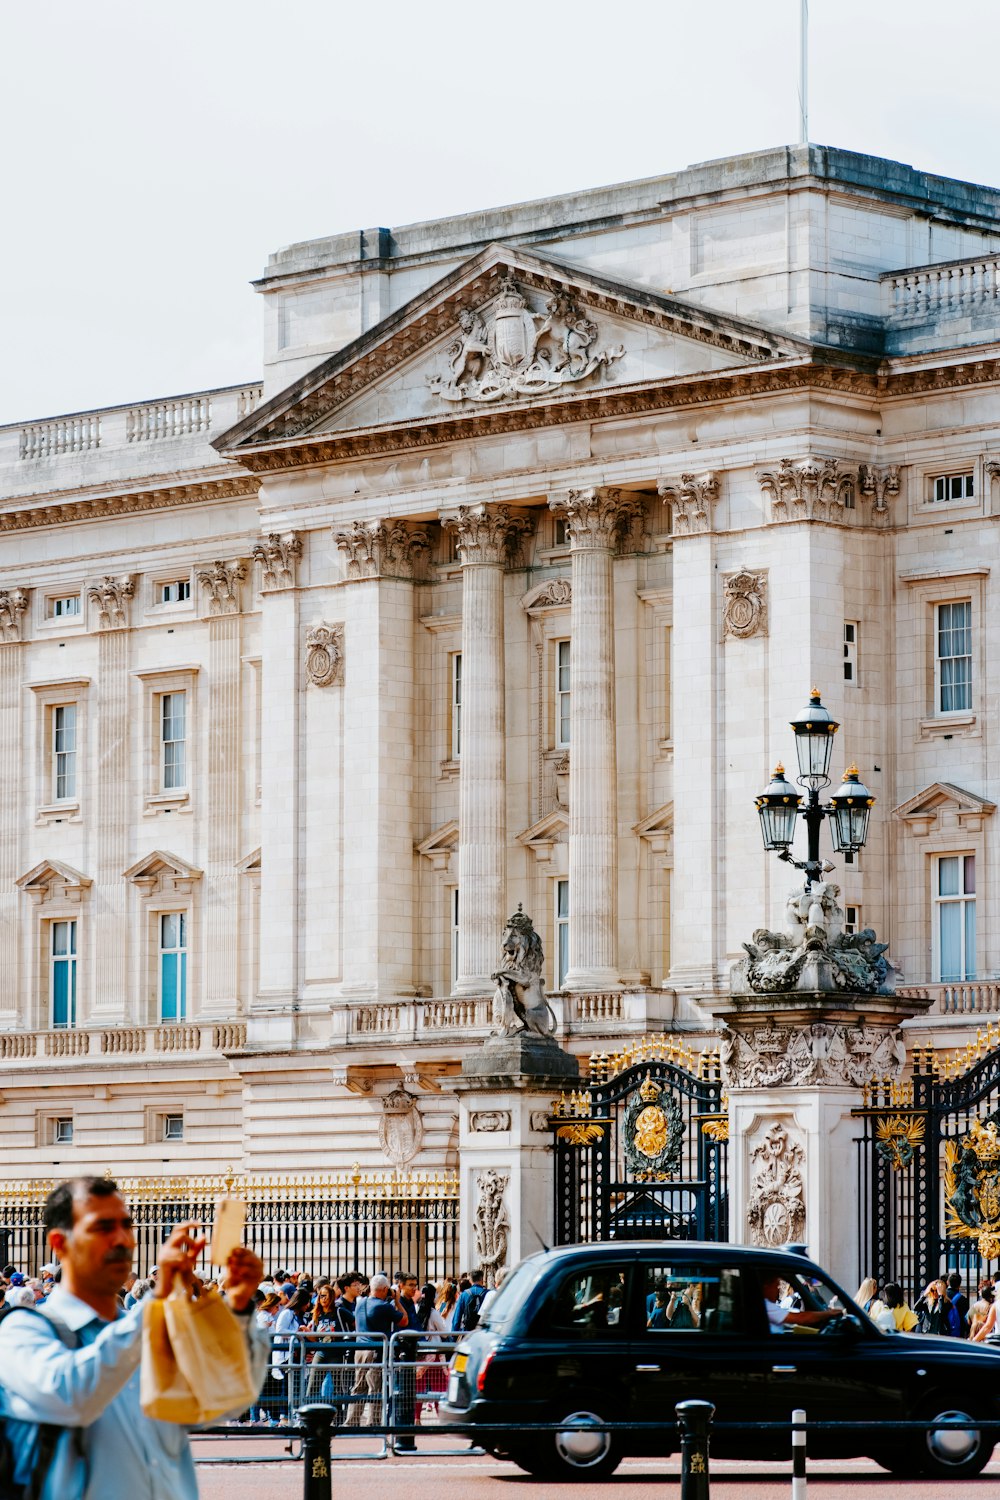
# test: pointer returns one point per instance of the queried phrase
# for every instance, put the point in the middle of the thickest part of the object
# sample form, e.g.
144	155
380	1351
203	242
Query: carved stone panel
111	596
744	612
400	1130
325	655
823	1052
776	1204
491	1222
278	557
13	603
488	1120
221	582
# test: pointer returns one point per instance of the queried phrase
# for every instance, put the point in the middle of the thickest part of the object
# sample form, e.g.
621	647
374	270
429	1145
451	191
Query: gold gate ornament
972	1186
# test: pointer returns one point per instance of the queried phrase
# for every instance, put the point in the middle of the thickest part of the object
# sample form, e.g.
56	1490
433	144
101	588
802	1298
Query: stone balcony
34	1048
967	1000
941	306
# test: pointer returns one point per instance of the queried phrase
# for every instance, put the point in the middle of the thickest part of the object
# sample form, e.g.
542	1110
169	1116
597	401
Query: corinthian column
486	536
596	520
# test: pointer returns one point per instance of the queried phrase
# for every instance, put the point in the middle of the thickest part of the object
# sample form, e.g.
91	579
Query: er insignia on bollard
319	1468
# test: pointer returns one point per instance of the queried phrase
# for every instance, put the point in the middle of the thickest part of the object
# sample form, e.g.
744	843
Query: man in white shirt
85	1379
780	1317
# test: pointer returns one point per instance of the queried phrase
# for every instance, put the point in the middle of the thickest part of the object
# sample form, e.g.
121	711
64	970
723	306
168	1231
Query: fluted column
597	518
111	598
486	536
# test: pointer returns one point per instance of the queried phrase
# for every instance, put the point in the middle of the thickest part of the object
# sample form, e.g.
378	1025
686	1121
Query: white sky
155	154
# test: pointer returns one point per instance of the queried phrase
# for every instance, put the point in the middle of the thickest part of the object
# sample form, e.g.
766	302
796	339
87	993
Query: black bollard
695	1418
317	1419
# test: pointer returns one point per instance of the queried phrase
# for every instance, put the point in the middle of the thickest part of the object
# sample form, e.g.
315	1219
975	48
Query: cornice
97	507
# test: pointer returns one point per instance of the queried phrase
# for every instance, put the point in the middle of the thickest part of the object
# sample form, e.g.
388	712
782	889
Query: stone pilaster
109	968
486	536
597	520
225	782
13	603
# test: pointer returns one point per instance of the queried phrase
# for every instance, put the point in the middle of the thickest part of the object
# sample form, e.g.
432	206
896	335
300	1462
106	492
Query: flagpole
804	72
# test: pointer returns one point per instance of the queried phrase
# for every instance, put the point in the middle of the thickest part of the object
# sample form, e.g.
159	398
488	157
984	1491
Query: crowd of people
942	1308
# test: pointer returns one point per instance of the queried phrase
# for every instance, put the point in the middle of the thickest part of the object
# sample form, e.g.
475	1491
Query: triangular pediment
52	877
161	872
250	865
507	330
925	808
657	828
542	837
439	846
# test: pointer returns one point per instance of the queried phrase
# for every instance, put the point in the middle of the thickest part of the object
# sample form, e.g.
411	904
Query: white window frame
64	759
158	684
71	961
56	606
181	951
166	1122
852	917
173	763
562	667
455	712
963	898
61	1137
561	918
941	487
939	687
852	636
182	591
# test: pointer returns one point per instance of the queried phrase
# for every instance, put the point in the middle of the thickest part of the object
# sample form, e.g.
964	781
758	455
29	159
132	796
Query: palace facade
500	590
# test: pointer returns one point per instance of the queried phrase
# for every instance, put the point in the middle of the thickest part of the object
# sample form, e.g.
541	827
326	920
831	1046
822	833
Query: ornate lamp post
779	805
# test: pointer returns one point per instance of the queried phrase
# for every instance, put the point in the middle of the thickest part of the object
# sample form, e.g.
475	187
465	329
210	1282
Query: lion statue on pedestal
519	1002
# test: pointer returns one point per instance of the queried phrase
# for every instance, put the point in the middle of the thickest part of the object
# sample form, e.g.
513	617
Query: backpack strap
49	1433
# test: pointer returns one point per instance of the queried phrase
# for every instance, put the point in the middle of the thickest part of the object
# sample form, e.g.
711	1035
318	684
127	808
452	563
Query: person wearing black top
406	1360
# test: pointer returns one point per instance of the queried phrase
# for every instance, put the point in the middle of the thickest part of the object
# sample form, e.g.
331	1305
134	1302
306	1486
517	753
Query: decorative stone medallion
776	1207
745	610
400	1130
489	1120
325	655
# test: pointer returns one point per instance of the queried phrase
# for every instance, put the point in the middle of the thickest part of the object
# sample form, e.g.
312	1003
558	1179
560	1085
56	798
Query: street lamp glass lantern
851	805
778	807
814	731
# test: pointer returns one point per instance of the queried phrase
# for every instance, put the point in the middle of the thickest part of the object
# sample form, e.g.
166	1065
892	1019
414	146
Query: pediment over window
250	865
658	831
440	845
508	339
542	837
943	802
162	873
553	594
53	880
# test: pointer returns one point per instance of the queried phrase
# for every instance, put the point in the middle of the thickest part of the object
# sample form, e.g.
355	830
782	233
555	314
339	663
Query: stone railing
418	1017
597	1010
969	999
922	293
124	1041
121	427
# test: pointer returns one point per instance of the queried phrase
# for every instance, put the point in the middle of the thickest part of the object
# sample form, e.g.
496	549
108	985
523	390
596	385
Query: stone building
501	589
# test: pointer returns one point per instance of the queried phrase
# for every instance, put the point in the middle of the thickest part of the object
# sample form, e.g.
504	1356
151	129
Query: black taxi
620	1332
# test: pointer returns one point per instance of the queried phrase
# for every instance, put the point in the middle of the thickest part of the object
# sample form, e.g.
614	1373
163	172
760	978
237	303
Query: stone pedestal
505	1148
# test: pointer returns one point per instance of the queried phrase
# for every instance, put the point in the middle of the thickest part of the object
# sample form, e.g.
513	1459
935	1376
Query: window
173	1127
692	1299
953	657
945	487
63	752
63	974
562	692
851	652
955	918
562	932
589	1303
175	592
173	716
456	705
62	1132
64	607
852	919
173	966
453	918
560	532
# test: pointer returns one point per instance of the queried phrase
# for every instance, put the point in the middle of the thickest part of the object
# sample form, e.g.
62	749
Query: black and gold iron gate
929	1168
640	1151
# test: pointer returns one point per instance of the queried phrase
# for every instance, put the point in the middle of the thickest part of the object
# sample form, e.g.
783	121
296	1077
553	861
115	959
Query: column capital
13	603
221	581
382	549
808	489
278	555
487	533
691	499
112	595
597	519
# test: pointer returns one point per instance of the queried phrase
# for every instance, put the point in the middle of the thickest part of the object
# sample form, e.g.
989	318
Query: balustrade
162	419
969	999
61	435
942	291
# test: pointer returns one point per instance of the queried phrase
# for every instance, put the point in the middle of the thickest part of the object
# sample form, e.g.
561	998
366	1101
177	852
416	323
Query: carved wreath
745	609
776	1211
325	655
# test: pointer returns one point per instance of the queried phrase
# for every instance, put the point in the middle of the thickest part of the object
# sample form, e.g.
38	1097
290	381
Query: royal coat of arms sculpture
972	1186
652	1131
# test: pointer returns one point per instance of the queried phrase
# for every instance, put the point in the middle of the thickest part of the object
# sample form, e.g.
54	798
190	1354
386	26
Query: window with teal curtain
63	974
173	966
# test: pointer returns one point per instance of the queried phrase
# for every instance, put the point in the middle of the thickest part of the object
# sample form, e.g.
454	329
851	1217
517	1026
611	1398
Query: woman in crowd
288	1356
446	1302
980	1311
866	1294
904	1318
989	1324
267	1312
322	1326
432	1371
933	1306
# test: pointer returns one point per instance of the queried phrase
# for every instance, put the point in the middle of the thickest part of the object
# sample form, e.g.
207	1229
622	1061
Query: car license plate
453	1389
461	1360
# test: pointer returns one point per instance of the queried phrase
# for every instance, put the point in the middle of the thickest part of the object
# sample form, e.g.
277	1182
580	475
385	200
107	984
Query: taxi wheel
960	1453
575	1450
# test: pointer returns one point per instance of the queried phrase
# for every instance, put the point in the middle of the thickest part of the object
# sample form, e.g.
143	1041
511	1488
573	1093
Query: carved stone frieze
325	655
744	612
808	489
539	1122
382	549
111	596
221	582
491	1222
486	1121
821	1052
487	533
691	499
278	556
556	594
504	348
879	485
13	603
598	519
400	1130
776	1203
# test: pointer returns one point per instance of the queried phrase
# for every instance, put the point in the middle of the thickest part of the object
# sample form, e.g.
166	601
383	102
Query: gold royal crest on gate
972	1186
652	1131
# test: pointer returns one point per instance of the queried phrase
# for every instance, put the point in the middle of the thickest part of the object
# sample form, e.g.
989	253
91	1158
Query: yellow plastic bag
198	1364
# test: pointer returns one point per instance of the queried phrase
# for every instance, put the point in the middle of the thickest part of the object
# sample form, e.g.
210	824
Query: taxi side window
692	1299
588	1303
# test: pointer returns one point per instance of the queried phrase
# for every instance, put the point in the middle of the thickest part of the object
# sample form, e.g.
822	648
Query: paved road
464	1478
